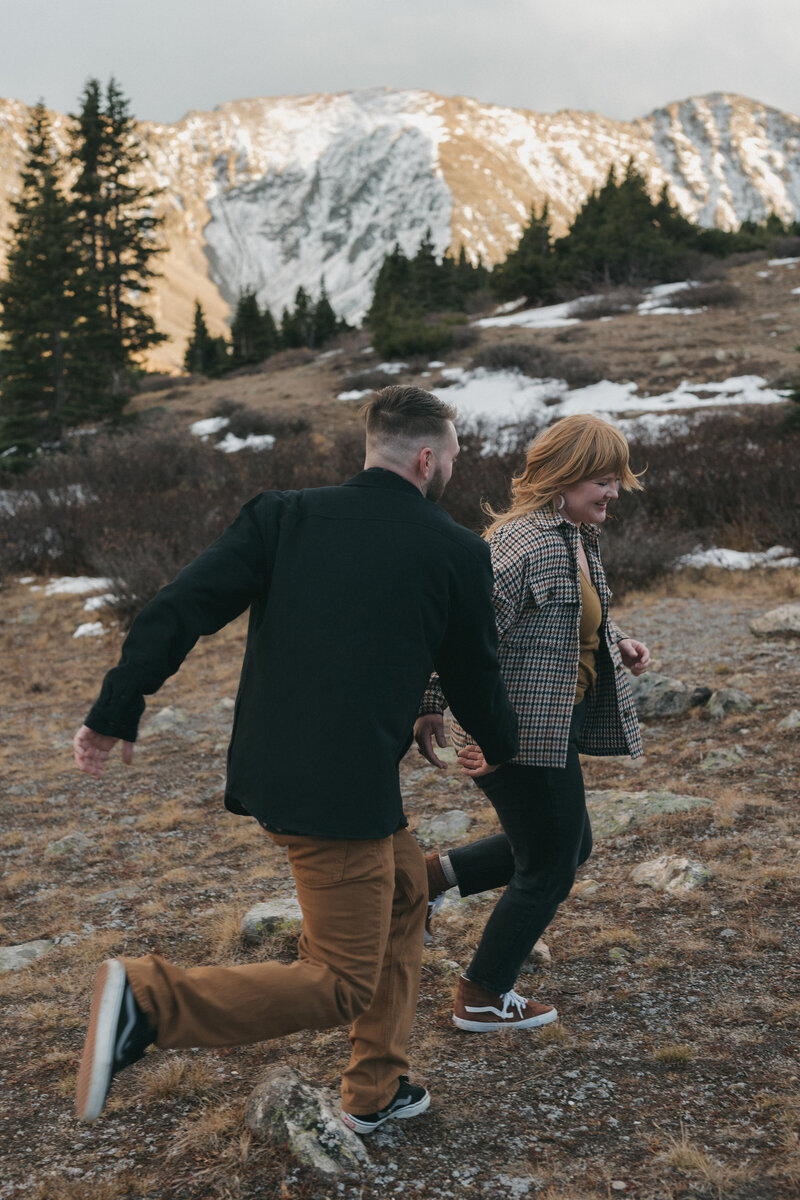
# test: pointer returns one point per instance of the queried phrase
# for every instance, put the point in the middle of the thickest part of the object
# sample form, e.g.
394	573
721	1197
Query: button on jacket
537	600
356	593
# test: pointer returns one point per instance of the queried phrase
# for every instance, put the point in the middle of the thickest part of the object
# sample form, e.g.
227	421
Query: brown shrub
537	361
606	304
706	295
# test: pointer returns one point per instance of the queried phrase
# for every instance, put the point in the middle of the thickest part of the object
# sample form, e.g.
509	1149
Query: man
356	593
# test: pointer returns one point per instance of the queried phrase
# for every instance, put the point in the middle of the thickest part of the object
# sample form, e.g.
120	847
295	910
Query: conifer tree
253	333
529	271
49	317
118	230
297	327
205	355
325	323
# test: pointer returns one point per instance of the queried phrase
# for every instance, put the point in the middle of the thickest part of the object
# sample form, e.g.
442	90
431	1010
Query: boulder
539	954
659	696
671	873
167	719
723	759
445	828
14	957
613	810
288	1111
728	700
783	621
71	844
792	721
282	914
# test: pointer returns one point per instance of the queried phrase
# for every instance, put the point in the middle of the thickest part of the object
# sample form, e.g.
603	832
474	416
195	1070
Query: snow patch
740	560
90	629
208	427
76	585
230	444
552	316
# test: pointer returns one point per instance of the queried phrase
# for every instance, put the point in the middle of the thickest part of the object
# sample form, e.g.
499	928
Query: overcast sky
621	58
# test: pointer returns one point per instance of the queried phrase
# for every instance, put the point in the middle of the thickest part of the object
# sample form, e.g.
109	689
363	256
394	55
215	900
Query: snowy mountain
273	193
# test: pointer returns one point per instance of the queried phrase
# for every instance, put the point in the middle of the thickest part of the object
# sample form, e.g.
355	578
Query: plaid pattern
537	600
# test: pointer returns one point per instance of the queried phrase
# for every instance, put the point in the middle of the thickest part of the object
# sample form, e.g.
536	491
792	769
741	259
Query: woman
562	660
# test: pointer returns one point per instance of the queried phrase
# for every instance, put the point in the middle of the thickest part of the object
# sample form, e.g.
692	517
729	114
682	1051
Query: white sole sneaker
495	1026
408	1110
97	1063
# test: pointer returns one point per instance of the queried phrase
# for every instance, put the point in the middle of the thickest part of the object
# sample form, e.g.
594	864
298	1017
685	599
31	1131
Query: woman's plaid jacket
537	601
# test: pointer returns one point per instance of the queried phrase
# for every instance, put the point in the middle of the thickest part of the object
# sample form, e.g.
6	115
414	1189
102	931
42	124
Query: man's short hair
399	413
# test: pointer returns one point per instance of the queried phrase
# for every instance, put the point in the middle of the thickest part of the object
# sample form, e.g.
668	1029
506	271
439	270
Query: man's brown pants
359	958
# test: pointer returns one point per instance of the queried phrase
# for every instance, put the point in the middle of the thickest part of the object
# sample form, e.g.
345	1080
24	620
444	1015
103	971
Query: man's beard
437	484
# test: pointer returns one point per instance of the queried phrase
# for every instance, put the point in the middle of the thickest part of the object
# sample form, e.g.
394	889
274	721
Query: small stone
584	887
279	915
289	1112
446	827
781	621
14	957
671	873
617	1185
667	359
618	954
122	893
728	700
792	721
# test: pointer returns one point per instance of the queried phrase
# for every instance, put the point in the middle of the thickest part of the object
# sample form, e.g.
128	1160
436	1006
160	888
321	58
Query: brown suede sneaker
479	1011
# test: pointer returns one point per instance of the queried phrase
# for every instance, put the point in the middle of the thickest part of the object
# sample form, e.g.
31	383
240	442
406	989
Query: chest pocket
554	589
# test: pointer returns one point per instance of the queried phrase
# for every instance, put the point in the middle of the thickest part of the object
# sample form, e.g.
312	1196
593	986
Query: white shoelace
512	999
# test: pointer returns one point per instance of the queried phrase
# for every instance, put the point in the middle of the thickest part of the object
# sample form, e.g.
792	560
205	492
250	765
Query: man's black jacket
356	594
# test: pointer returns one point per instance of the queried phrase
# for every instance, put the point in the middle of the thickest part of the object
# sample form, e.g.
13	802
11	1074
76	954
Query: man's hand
473	763
425	730
92	749
635	655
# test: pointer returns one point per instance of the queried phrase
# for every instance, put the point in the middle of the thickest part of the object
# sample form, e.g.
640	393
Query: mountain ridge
272	192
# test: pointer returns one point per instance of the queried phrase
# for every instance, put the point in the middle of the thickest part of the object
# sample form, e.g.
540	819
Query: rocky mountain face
269	194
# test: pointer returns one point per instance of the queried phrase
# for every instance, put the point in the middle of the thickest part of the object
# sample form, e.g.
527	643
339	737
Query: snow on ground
501	398
230	444
76	585
553	316
90	629
783	262
740	560
653	303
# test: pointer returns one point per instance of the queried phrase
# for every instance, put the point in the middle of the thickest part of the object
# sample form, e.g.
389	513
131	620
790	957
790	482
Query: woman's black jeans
546	837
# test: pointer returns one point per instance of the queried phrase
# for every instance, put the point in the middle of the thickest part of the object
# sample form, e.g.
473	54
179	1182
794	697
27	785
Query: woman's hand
635	655
473	763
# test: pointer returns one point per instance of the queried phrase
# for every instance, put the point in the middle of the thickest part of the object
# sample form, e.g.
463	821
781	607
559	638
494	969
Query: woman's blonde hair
572	449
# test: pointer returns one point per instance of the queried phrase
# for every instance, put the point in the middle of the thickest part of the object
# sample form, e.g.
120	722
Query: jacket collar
379	477
544	519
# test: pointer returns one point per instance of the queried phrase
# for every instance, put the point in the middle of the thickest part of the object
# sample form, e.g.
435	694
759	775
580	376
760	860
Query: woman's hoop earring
561	503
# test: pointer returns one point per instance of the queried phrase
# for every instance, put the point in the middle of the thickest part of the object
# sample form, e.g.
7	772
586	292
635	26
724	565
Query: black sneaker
409	1101
118	1035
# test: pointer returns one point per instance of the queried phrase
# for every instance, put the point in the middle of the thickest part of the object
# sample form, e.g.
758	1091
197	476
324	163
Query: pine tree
48	378
529	271
325	323
297	327
118	230
204	355
253	333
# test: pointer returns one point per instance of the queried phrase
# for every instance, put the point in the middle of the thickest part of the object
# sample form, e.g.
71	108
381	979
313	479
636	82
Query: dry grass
177	1078
690	1160
674	1054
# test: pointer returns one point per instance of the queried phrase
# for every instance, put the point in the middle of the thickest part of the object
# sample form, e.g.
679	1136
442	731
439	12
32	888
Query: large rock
14	957
170	719
659	696
728	700
671	873
447	827
783	621
723	759
614	810
289	1112
71	845
282	914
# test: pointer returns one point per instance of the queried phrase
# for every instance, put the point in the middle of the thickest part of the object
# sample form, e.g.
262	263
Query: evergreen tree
529	271
253	333
118	230
297	327
325	324
205	355
49	314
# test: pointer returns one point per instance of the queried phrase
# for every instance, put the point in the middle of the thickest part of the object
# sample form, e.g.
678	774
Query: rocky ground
673	1071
